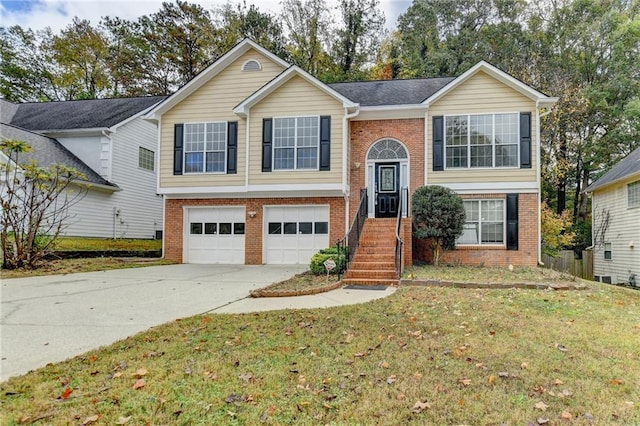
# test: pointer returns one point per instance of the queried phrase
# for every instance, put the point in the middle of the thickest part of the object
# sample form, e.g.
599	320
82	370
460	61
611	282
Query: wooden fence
567	262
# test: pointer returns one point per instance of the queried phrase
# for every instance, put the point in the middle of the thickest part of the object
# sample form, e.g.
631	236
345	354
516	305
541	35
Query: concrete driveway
52	318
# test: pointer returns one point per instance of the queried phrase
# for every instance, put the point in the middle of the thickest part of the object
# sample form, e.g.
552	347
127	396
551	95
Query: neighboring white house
108	141
616	222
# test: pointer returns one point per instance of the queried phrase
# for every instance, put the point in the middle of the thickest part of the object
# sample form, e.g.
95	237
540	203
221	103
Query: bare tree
35	205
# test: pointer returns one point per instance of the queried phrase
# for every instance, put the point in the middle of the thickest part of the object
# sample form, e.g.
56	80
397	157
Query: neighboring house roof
48	151
83	114
627	167
7	111
391	92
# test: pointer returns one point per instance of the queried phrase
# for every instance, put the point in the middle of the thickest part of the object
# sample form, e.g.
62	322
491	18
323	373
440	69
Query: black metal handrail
349	243
404	197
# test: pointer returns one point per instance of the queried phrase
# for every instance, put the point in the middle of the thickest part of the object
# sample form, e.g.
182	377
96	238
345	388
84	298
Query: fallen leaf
558	382
123	420
503	374
419	406
561	347
139	384
524	365
359	355
116	374
541	406
567	392
246	377
627	404
384	364
589	417
91	419
141	372
391	379
66	393
542	421
565	415
492	379
465	382
616	382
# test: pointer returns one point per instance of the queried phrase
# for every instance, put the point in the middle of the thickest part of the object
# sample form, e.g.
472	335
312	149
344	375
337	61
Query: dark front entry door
387	189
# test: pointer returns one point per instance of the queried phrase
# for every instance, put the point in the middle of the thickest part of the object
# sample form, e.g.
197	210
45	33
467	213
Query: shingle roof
7	111
628	166
48	151
391	92
85	114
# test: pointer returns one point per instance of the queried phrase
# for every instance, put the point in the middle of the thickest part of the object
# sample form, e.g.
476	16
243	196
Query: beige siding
214	101
624	228
296	97
481	94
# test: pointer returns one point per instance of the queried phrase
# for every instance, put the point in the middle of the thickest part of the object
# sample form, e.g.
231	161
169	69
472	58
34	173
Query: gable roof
82	114
391	92
48	151
526	90
7	111
211	71
627	167
281	79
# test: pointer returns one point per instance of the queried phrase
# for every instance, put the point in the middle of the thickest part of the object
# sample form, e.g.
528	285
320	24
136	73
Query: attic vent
251	65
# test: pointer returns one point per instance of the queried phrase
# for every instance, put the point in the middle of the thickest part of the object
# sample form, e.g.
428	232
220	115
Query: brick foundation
173	231
526	255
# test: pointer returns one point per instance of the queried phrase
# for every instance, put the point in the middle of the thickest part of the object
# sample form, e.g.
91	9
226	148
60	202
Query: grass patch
70	266
106	244
489	275
439	356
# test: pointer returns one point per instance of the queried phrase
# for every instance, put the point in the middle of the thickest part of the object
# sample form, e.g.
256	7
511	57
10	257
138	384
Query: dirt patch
299	285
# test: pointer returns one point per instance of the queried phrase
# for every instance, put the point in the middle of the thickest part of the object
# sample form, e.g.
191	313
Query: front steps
374	260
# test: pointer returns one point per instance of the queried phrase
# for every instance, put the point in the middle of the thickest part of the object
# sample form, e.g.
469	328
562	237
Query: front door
387	186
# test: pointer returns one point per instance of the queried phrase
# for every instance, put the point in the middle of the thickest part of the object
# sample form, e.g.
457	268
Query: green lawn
424	356
104	244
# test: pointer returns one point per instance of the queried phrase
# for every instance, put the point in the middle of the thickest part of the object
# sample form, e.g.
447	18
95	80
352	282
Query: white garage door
215	235
294	234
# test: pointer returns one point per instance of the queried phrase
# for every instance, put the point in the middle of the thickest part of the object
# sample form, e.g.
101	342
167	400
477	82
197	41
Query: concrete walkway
52	318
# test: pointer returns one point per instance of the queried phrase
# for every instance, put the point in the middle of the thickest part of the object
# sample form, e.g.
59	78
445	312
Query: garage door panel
215	235
295	233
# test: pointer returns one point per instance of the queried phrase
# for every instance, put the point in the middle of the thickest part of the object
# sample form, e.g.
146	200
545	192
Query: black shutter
438	143
325	143
267	151
232	147
512	221
177	149
525	140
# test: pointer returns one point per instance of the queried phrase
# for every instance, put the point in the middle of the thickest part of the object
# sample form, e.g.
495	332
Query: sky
57	14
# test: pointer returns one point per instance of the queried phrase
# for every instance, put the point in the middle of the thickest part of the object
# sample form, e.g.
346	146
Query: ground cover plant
489	274
440	356
106	244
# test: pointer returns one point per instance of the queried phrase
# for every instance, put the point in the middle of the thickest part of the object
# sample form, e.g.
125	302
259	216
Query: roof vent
251	65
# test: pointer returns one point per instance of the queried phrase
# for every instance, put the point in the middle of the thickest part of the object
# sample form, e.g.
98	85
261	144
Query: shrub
317	261
438	216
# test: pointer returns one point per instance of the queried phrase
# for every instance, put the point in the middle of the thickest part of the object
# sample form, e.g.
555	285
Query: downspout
107	134
538	177
164	199
346	149
426	146
246	165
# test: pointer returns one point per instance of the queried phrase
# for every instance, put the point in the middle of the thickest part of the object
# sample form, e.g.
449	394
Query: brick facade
174	209
526	255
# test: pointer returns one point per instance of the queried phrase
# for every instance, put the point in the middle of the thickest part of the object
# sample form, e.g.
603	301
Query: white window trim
604	251
493	143
295	147
153	159
629	185
504	224
204	157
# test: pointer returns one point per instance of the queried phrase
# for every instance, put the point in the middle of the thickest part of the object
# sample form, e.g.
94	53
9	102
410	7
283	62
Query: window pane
238	228
146	158
308	131
307	158
283	158
472	211
225	229
275	228
506	129
470	233
481	156
215	161
284	132
633	194
193	162
305	227
196	228
456	130
210	228
216	136
492	210
492	232
456	156
506	155
290	228
481	129
194	137
321	227
607	251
